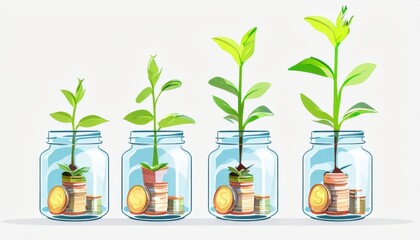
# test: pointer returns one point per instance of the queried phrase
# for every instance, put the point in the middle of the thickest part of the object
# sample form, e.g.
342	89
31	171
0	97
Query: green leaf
248	44
314	66
159	166
153	71
345	166
323	25
64	167
231	118
233	170
91	121
145	165
257	90
143	94
325	122
80	91
314	109
175	119
359	74
172	84
229	46
259	112
224	106
358	109
224	84
81	171
139	117
70	97
342	29
61	117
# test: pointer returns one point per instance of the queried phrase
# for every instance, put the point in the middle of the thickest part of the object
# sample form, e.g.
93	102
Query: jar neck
163	137
248	137
74	137
342	137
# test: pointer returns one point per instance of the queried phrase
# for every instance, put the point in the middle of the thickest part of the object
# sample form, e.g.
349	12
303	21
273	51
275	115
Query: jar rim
82	137
251	137
326	137
165	137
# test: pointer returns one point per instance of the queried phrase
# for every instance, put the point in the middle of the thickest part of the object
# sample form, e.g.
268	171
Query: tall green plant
143	116
240	52
89	121
336	35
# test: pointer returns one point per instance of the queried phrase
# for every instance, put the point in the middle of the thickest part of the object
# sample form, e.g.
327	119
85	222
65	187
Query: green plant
240	173
143	116
77	172
240	52
88	121
336	35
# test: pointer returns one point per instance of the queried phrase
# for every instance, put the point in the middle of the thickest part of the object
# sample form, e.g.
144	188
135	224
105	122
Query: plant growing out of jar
336	34
240	175
154	173
73	175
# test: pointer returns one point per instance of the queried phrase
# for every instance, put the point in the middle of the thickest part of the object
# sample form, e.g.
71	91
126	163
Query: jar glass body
349	189
255	195
80	197
168	190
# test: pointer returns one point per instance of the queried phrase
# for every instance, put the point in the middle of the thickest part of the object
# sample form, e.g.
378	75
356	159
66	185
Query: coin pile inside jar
76	188
262	204
245	197
175	205
158	198
357	202
338	185
93	204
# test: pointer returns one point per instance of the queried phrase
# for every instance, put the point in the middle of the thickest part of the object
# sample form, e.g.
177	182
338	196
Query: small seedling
240	52
336	35
143	116
88	121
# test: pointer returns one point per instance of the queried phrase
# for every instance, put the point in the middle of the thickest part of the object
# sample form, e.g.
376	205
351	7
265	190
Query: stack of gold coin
77	198
93	204
357	202
175	205
262	204
244	197
158	198
338	185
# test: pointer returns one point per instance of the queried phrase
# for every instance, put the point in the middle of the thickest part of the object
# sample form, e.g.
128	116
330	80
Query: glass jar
161	195
248	195
78	192
340	191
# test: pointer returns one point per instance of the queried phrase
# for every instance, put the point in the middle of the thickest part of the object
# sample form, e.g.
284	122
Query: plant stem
73	141
336	112
241	127
155	152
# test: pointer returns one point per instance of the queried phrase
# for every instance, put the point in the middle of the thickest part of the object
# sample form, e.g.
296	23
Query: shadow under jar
343	194
78	197
247	196
162	195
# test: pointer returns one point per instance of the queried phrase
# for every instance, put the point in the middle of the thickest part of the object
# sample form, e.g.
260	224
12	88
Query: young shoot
336	34
240	52
89	121
143	116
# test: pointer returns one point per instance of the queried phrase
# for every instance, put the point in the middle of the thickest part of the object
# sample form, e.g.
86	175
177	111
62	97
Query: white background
46	45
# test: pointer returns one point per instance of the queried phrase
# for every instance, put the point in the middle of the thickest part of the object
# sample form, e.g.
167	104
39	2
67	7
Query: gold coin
58	198
224	199
138	199
319	198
